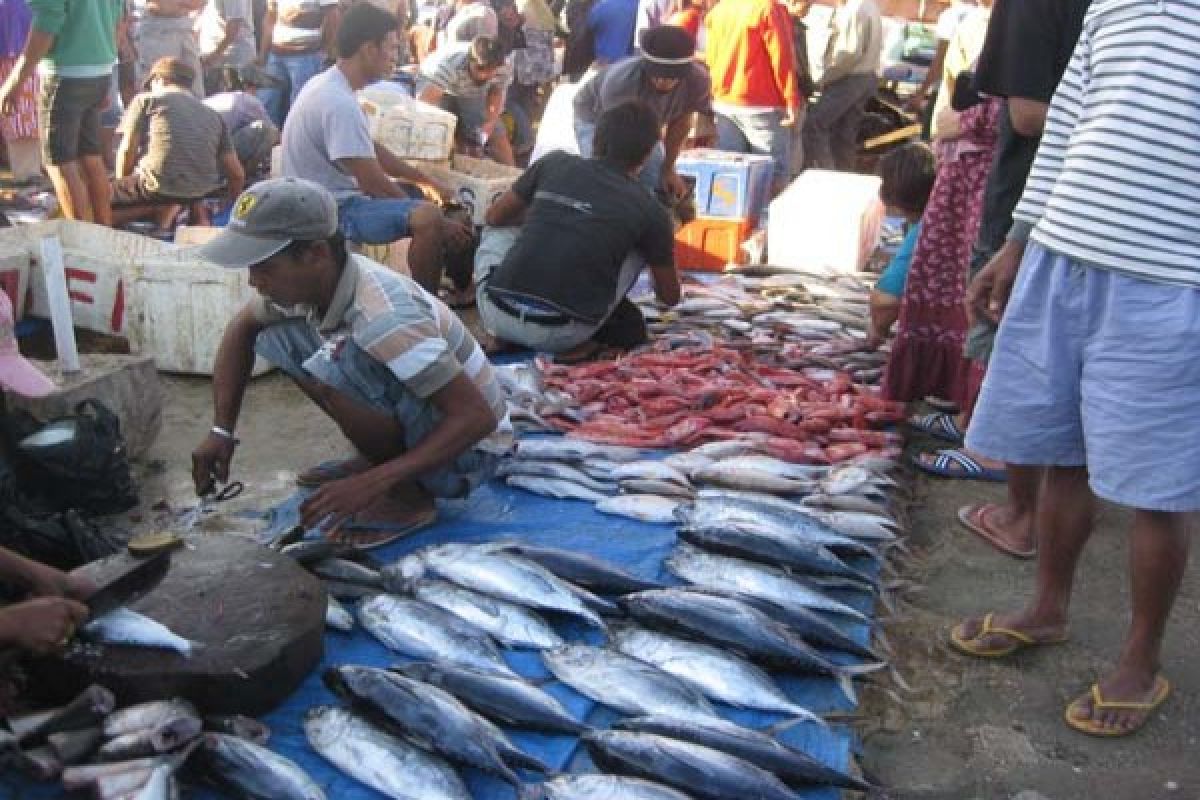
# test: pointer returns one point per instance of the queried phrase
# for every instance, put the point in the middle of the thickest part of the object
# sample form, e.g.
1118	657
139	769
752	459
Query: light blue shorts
1099	369
345	367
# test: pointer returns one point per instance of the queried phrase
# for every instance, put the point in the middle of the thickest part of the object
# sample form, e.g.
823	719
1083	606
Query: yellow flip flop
1085	724
971	645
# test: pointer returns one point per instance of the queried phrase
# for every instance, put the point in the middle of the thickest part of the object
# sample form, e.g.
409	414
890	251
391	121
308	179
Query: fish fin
845	682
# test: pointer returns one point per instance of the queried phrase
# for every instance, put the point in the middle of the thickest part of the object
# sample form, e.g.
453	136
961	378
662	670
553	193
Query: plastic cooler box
475	182
825	221
728	185
710	244
406	126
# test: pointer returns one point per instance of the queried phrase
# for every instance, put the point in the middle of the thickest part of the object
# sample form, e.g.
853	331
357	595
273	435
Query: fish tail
845	682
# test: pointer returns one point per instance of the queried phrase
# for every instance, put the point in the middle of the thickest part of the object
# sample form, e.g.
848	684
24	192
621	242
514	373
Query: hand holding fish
42	625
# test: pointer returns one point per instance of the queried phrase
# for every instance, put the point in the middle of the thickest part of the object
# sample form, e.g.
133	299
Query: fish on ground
419	630
644	507
253	771
385	763
557	488
508	623
624	684
337	616
600	787
510	700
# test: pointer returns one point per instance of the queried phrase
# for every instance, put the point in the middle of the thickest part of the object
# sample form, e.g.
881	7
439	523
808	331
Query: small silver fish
123	626
554	487
337	616
563	449
644	507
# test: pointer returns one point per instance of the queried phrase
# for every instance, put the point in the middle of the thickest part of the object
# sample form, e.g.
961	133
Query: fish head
403	574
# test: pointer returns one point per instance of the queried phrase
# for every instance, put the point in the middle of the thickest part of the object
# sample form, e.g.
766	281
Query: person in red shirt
752	59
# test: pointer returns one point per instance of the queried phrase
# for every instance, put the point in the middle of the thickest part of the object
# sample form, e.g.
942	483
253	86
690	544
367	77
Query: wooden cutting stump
257	618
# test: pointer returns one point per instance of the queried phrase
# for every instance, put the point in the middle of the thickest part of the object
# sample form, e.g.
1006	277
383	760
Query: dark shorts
69	117
132	191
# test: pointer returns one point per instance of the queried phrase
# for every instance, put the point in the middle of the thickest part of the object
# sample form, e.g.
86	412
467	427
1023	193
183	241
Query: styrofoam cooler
406	126
179	308
825	221
728	185
475	182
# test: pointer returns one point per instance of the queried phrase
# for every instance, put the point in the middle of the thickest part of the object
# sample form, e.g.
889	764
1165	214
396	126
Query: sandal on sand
330	471
1075	717
367	534
940	425
975	519
957	464
972	646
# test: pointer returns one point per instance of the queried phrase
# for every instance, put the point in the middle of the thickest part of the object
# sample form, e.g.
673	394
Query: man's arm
676	134
268	31
233	27
235	175
777	36
374	175
431	94
508	210
666	284
1028	117
132	128
466	418
37	45
231	375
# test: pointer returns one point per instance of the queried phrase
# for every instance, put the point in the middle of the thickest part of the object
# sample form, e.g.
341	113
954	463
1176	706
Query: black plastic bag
74	462
63	540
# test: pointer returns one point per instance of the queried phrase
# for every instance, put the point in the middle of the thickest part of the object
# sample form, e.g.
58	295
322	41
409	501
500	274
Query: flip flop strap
947	457
989	628
1100	704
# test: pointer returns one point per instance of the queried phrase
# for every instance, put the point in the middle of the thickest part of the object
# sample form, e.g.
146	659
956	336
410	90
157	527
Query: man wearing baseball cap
395	369
666	77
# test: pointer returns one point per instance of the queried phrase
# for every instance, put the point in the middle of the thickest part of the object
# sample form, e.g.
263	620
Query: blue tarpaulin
495	511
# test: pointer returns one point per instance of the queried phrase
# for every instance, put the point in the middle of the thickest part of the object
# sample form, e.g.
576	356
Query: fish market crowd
1036	307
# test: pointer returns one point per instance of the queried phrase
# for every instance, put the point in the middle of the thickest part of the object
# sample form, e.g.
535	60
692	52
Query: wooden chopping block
258	619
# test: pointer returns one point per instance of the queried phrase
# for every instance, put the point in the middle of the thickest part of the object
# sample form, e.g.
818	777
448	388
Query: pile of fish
667	655
145	751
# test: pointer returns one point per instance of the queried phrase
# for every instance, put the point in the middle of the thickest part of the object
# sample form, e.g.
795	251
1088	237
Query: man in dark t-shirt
1025	53
558	283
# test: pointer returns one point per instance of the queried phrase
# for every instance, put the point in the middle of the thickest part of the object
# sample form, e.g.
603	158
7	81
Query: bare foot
1039	630
1127	699
1001	527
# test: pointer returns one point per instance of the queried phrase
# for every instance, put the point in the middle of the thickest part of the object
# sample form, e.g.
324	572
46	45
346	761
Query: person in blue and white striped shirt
1095	372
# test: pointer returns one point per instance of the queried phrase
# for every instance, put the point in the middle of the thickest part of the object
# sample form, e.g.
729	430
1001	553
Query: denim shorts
375	220
339	363
69	116
1096	368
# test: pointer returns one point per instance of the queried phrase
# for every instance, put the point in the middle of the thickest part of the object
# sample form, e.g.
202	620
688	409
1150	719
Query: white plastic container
825	222
476	182
14	278
180	308
406	126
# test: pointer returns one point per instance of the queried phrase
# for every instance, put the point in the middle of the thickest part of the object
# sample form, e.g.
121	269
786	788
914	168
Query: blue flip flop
940	425
957	464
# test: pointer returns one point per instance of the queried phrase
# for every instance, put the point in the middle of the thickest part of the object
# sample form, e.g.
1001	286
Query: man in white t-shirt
947	23
326	140
166	29
295	38
226	37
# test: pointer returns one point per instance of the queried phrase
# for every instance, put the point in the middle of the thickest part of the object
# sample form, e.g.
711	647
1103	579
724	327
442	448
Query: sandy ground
967	729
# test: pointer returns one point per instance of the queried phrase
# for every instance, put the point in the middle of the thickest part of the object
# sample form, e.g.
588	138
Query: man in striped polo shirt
386	360
1094	373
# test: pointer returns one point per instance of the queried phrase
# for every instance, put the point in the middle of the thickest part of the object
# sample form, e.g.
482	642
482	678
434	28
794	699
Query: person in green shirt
72	46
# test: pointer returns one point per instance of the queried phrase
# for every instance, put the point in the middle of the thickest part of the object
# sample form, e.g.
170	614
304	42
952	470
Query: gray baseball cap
268	217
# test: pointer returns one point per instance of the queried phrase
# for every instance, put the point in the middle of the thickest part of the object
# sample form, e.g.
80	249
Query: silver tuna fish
644	507
123	626
625	684
510	624
600	787
253	771
420	630
718	673
385	763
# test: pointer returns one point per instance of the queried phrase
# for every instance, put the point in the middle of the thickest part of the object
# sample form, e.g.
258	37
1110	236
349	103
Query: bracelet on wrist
224	434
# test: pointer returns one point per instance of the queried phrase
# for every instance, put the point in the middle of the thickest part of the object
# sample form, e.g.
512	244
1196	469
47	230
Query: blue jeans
292	71
651	174
339	363
758	132
375	220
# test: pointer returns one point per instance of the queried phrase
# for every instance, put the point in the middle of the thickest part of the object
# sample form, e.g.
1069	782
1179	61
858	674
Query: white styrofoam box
95	258
406	126
180	308
475	182
825	221
277	161
557	128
